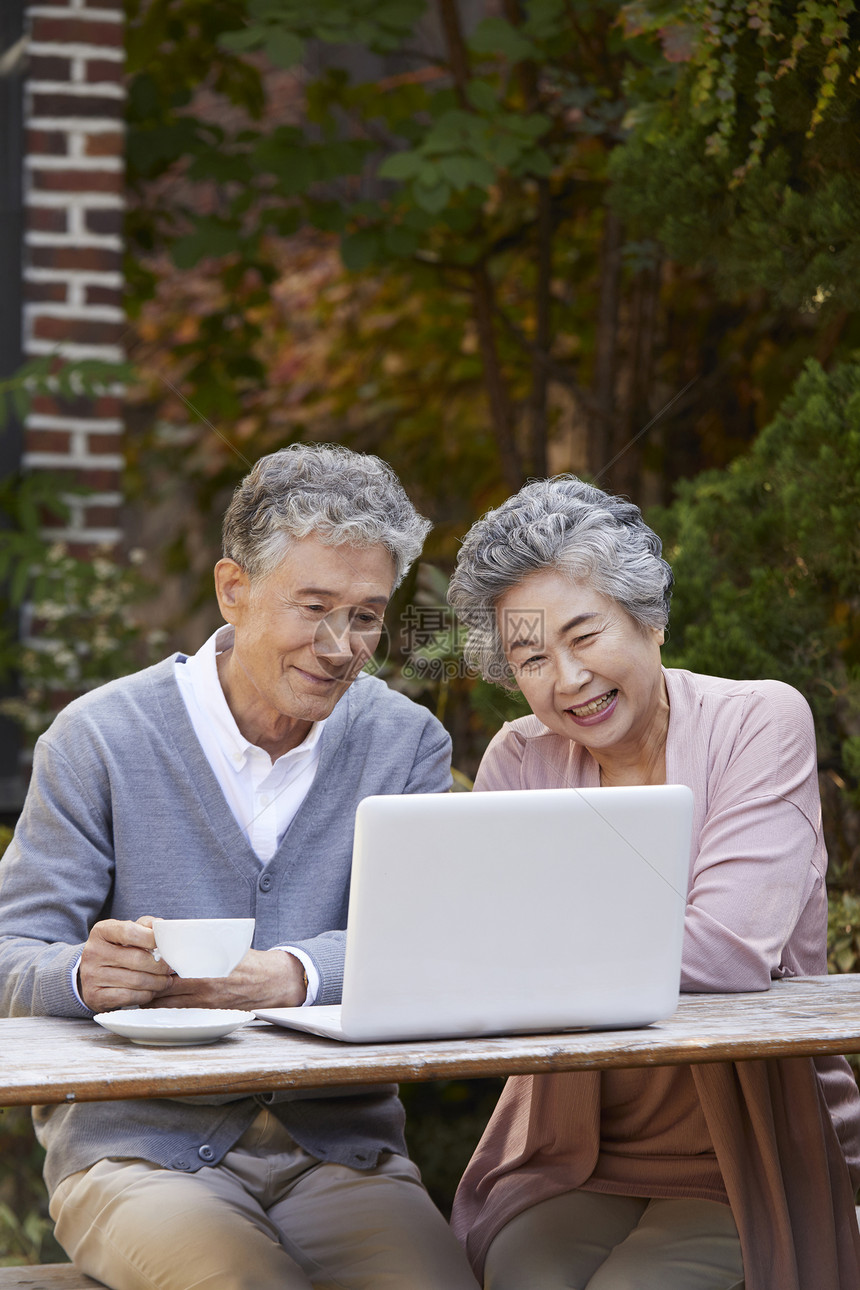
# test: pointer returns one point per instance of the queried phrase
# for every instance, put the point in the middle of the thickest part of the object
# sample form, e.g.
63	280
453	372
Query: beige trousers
269	1217
588	1241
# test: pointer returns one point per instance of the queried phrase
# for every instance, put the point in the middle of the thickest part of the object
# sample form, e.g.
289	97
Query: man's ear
231	588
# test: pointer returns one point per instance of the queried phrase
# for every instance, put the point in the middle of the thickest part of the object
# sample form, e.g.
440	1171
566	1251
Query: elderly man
225	785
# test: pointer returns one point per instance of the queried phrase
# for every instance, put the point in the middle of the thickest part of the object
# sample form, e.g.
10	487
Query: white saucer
168	1027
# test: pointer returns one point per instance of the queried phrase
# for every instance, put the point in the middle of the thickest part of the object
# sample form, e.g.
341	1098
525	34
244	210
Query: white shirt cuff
310	970
77	993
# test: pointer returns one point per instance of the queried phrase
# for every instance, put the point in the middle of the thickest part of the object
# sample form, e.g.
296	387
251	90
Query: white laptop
493	913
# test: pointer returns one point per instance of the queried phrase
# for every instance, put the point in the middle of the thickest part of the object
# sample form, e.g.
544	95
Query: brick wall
74	186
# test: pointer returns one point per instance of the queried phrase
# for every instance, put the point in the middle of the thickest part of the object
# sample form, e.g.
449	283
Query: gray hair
325	491
565	524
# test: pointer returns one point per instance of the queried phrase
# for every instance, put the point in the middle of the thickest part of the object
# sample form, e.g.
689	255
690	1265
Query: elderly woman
704	1177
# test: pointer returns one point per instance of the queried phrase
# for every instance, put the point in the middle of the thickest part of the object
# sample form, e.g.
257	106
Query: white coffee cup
202	947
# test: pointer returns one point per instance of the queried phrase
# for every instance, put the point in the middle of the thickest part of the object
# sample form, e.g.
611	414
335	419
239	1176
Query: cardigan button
181	1164
205	1152
266	882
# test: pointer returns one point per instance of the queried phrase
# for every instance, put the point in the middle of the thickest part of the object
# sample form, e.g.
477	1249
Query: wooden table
46	1059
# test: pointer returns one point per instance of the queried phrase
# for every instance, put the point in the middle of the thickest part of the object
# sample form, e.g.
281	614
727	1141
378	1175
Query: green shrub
766	556
843	933
26	1230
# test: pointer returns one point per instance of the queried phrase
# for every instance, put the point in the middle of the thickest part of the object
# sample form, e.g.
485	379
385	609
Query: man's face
302	633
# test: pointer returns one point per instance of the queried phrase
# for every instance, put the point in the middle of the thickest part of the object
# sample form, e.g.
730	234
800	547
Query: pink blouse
757	910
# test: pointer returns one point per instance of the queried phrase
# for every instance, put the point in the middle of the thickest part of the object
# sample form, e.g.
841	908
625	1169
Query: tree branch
538	427
501	411
555	370
458	53
497	393
606	342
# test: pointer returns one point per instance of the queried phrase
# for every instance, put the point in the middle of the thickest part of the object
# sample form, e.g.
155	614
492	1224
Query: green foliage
843	942
460	174
81	624
27	502
744	149
737	54
464	138
410	256
466	148
55	585
282	28
26	1231
85	629
843	933
436	178
766	556
50	375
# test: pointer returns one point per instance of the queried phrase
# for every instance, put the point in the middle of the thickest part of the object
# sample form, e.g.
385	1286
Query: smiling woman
590	672
662	1179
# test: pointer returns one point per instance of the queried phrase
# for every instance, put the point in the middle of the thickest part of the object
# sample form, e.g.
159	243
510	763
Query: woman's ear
231	588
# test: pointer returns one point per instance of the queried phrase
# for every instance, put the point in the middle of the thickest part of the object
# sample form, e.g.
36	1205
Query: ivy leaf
496	36
283	47
148	149
210	238
328	216
462	172
679	42
434	198
482	96
293	164
239	42
400	166
342	157
457	131
429	175
284	222
221	166
536	162
533	125
504	150
401	241
20	403
359	249
18	584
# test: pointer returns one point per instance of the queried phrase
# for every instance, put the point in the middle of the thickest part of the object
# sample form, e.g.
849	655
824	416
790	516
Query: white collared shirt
263	796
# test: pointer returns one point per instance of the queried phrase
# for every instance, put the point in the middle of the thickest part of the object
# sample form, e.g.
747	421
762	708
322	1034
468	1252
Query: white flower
50	611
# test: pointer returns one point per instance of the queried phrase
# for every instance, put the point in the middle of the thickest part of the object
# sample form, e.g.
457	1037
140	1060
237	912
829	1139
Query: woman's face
587	669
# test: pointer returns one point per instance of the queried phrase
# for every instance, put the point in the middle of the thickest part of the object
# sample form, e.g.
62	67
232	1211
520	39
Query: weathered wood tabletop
48	1059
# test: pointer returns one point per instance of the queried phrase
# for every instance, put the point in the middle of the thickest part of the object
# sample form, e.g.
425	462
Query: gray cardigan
124	817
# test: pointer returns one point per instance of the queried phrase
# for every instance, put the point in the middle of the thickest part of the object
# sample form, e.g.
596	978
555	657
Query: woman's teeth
596	705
